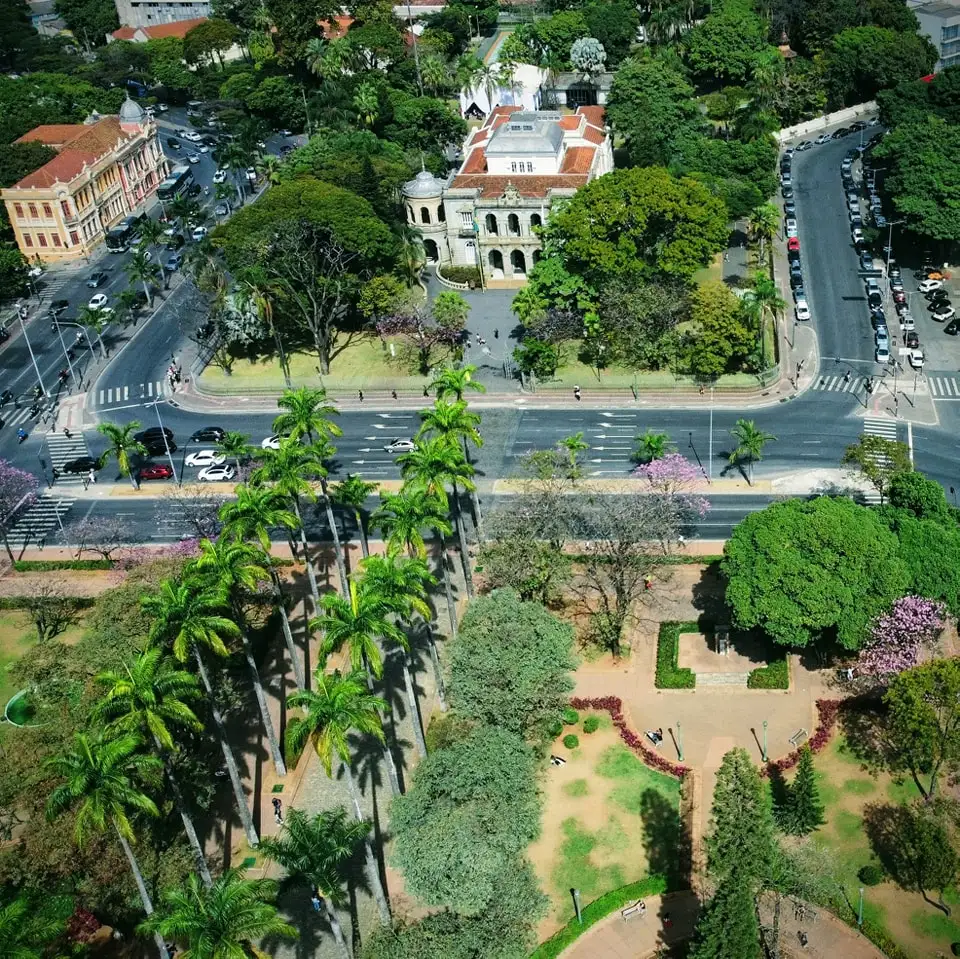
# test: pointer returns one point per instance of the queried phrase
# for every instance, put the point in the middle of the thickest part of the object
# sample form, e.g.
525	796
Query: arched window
411	214
535	220
431	250
441	214
424	215
519	263
491	222
513	224
536	257
495	259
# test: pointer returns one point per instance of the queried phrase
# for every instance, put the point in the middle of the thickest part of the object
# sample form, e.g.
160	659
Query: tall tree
750	443
190	621
151	698
879	460
306	412
141	269
455	383
727	927
316	850
122	446
237	569
352	493
103	782
804	810
220	922
338	706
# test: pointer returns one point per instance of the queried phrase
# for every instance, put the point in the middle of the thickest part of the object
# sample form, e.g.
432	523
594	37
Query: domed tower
133	118
423	198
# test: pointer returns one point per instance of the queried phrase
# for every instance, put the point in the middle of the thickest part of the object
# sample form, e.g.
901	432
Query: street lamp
764	740
166	444
33	359
679	743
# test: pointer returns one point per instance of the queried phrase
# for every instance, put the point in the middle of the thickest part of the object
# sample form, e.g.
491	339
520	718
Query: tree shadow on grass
864	729
665	839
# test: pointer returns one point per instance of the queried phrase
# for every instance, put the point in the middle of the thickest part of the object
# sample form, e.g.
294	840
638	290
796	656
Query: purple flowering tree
421	339
18	492
672	480
897	637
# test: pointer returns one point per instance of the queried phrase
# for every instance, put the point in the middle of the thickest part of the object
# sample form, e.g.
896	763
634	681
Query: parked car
952	328
220	176
400	446
882	335
915	358
205	458
866	262
153	433
786	192
100	277
791	226
793	244
193	157
271	442
925	286
823	138
98	301
155	471
882	353
874	300
221	209
907	323
878	320
899	296
842	132
199	233
208	434
799	293
803	145
857	235
802	310
174	262
789	208
943	312
913	341
217	474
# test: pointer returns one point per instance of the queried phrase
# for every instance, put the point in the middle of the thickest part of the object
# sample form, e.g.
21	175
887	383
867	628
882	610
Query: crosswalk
841	384
886	429
138	393
944	387
64	448
36	524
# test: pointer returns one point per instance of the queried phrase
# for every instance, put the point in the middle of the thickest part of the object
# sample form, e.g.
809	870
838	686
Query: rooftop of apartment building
945	9
178	29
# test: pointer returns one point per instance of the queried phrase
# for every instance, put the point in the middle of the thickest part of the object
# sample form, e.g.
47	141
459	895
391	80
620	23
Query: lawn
608	820
846	789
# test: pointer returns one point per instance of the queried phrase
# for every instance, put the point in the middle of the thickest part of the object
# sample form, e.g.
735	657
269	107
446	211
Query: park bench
798	737
638	907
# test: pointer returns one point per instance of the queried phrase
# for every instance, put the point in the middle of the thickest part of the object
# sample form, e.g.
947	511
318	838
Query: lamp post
764	740
679	743
576	905
166	444
860	910
33	359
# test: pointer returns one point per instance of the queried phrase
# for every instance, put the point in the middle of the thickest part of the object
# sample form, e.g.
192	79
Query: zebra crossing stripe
45	515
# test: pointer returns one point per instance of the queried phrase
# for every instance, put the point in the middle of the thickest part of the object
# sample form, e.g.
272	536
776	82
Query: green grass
578	787
860	787
636	778
842	751
934	924
711	273
829	793
903	792
848	825
17	635
575	869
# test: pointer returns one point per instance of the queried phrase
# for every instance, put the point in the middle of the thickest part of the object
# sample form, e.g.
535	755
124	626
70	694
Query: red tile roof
179	29
124	33
335	30
63	167
570	122
476	162
578	160
479	136
596	116
537	186
77	143
499	115
52	134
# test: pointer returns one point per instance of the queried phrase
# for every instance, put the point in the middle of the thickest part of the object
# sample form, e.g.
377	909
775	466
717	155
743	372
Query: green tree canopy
472	811
930	549
720	339
615	26
805	570
510	664
726	44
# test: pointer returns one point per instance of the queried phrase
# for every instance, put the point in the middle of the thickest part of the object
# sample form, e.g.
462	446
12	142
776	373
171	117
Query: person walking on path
277	810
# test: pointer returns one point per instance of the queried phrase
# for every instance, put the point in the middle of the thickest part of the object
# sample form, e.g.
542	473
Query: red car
793	245
156	471
899	297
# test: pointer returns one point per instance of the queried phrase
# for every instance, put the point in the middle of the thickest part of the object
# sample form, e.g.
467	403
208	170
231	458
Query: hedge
669	675
460	274
828	711
775	675
597	910
22	602
49	565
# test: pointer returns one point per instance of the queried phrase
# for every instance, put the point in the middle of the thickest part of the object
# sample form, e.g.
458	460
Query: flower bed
828	711
614	706
669	675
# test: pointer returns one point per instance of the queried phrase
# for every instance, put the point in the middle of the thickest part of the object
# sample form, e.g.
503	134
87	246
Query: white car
220	176
857	234
823	138
400	446
791	225
162	107
251	173
217	474
193	158
271	442
907	323
943	313
204	148
205	458
34	272
98	301
802	310
882	354
199	233
928	286
192	136
286	133
915	358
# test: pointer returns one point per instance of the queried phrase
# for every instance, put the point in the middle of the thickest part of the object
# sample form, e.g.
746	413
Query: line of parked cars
160	441
800	306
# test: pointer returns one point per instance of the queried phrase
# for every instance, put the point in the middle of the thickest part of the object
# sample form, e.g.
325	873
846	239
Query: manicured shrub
591	724
460	274
571	741
555	729
775	675
669	675
570	717
51	565
871	874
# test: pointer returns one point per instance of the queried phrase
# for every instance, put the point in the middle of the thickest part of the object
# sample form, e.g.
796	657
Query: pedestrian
86	482
92	476
178	374
726	255
477	335
576	393
701	389
681	541
483	342
393	393
846	377
647	582
315	902
426	391
67	433
643	908
277	810
360	394
496	333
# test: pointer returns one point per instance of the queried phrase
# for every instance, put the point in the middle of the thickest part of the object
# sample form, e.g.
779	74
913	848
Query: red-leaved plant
828	710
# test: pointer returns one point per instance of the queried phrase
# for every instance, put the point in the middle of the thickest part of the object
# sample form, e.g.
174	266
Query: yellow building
104	170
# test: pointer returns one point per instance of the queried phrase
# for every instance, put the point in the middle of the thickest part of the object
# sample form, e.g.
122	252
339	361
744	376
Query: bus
118	239
179	179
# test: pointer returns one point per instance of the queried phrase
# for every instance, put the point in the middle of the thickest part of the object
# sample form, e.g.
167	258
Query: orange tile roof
77	143
124	33
499	115
179	28
52	134
476	162
63	167
578	160
535	186
570	123
594	135
479	136
335	30
596	116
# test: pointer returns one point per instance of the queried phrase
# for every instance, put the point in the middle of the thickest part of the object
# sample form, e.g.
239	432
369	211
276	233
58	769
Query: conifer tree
727	927
804	810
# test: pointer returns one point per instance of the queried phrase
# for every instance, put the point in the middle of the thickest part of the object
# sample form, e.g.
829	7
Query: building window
950	33
33	211
513	167
18	210
535	220
441	214
492	225
424	215
513	224
529	167
466	220
47	211
42	237
56	238
75	238
65	209
27	239
413	216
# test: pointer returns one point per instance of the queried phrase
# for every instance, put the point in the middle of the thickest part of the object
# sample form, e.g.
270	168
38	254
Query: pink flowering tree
672	480
18	492
897	637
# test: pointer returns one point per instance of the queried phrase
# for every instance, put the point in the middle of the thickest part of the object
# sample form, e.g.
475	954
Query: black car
175	242
58	306
878	319
212	434
858	125
937	296
153	434
82	464
173	143
952	328
842	132
913	340
790	208
787	193
866	262
875	300
796	279
157	447
194	190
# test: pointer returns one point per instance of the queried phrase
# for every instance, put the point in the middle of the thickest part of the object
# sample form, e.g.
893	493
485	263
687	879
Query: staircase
722	679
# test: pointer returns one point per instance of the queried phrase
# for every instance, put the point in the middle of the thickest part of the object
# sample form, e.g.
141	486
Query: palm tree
252	515
237	569
358	621
338	706
652	445
453	422
147	699
189	620
456	383
366	101
141	270
122	447
433	465
764	223
125	305
29	924
402	517
412	255
306	412
256	293
96	320
468	74
321	452
315	51
183	210
750	444
436	73
402	584
352	493
221	922
235	444
764	298
235	157
103	778
269	168
315	849
151	234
